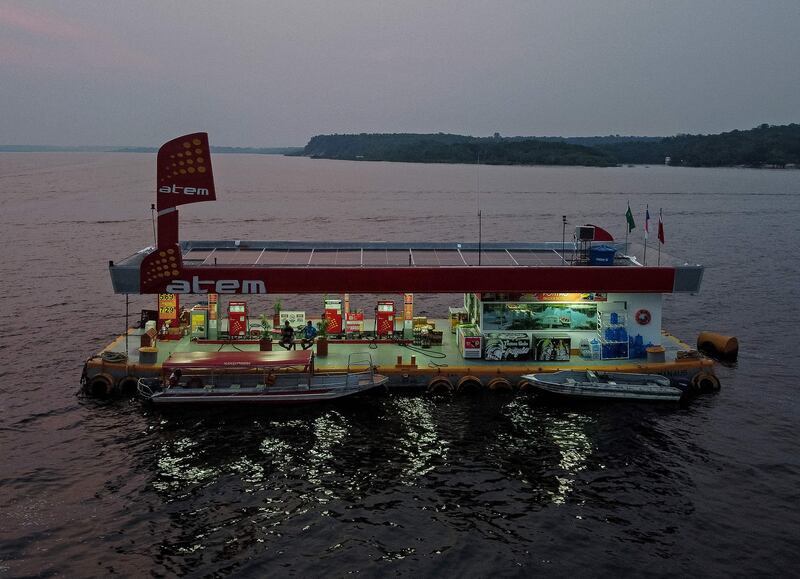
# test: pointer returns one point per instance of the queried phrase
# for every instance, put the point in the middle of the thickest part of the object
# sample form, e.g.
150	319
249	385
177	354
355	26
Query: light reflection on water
420	448
178	468
330	431
575	448
560	441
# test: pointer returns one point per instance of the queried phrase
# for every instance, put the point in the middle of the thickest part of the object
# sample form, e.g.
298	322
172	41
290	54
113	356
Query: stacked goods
148	339
426	334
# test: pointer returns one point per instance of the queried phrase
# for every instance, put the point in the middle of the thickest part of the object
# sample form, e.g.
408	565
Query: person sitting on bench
309	333
287	337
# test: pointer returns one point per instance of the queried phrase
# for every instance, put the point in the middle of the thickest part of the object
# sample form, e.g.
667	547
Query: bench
295	343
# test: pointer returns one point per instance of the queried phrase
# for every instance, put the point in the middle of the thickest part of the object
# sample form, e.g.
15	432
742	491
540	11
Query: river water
397	484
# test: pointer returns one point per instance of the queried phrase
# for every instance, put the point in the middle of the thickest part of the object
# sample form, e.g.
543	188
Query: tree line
766	145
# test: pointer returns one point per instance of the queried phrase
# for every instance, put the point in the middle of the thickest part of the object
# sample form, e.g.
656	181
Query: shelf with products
613	335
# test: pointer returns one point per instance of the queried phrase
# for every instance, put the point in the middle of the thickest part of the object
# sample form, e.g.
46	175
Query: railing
360	359
147	387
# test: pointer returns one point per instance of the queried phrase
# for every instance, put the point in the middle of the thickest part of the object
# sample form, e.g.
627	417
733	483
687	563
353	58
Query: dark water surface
397	485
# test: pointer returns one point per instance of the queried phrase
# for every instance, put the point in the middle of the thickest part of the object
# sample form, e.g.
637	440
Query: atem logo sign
177	189
221	286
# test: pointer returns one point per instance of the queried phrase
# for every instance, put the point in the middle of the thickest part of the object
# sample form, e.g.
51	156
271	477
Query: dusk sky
263	73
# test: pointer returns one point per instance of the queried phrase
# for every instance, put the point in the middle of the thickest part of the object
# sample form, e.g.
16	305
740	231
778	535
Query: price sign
408	306
212	306
167	308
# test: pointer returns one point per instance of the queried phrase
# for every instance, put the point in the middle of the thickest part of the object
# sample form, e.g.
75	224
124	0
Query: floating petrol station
527	307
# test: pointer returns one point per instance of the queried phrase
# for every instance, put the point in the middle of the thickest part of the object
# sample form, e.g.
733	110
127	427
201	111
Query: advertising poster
295	318
354	324
553	349
506	346
570	297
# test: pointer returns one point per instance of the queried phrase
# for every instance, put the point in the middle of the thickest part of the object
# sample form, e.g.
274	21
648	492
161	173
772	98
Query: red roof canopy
601	234
237	360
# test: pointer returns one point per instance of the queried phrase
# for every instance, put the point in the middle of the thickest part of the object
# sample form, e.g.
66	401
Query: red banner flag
184	172
660	227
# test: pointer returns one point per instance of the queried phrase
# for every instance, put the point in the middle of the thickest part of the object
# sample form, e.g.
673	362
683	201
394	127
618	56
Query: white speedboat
605	385
272	378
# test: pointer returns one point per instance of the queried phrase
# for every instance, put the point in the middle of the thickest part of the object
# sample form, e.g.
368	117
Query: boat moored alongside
606	385
271	378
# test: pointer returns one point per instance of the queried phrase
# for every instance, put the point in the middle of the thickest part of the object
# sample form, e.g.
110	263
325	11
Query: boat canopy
237	360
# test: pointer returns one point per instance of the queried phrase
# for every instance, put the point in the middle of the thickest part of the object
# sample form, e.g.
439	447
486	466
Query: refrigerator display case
470	341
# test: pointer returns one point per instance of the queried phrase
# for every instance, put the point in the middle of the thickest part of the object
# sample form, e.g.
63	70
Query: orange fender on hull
717	345
101	385
469	384
500	384
440	386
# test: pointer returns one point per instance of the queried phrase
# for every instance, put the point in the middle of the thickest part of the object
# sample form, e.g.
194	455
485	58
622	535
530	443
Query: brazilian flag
629	217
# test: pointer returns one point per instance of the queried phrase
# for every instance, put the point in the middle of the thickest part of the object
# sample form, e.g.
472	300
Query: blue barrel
602	255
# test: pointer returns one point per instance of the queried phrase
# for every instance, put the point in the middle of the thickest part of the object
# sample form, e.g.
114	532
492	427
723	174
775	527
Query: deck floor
385	354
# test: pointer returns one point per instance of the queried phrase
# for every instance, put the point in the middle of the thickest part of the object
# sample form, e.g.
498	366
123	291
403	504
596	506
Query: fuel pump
237	319
333	313
384	318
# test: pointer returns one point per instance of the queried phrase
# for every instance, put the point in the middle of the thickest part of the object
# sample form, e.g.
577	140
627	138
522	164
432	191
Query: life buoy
643	317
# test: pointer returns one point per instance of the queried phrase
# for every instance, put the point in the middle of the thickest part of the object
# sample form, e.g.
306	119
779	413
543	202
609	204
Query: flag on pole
629	218
660	227
646	221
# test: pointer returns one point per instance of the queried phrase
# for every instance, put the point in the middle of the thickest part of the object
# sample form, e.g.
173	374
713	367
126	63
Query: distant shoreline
102	149
295	152
765	146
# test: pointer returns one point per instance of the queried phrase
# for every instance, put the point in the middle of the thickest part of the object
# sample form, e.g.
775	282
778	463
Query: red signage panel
165	274
184	172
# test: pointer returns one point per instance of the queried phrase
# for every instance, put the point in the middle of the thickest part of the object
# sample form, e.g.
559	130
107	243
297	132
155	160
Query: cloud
46	39
40	24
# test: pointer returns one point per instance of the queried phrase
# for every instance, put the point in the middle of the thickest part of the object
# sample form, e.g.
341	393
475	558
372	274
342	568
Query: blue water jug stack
638	349
616	334
602	255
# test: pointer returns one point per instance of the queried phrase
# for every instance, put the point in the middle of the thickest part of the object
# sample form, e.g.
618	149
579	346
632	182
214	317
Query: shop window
539	316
